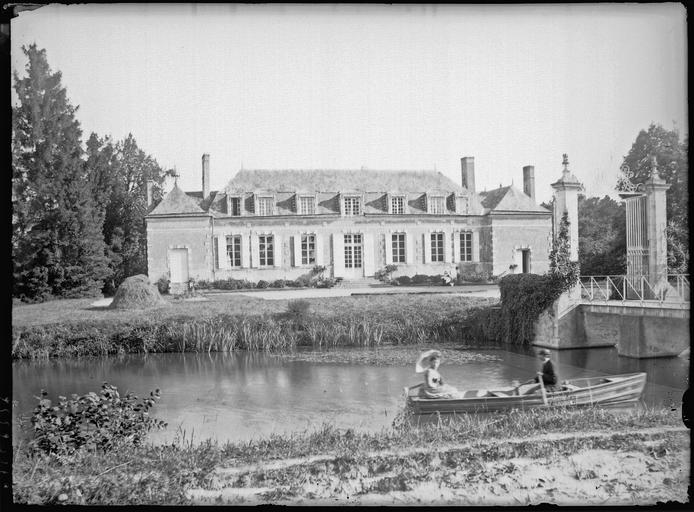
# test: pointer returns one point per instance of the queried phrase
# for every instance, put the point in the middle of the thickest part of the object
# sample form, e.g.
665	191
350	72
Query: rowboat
608	390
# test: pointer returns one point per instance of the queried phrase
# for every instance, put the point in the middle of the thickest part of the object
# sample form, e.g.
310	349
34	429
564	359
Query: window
235	206
437	205
266	250
265	206
397	205
437	240
465	246
352	206
215	244
308	249
353	251
307	205
398	247
234	251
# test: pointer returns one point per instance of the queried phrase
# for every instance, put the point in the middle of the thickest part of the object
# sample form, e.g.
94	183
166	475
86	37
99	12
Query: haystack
136	292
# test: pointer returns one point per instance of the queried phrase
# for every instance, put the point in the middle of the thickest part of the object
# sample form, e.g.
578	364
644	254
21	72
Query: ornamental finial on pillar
654	165
565	163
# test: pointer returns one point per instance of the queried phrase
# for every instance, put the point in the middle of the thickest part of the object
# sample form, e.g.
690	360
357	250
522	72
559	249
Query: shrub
325	282
404	280
318	270
420	279
95	422
262	284
163	284
474	277
279	283
137	292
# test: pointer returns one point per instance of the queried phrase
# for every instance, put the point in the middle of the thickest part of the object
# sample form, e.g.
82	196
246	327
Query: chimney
529	181
150	188
205	175
467	165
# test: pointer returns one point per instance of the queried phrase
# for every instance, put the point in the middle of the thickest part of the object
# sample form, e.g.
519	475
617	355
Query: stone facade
280	224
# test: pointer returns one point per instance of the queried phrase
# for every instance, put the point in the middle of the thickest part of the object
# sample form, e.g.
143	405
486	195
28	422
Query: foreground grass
393	459
73	328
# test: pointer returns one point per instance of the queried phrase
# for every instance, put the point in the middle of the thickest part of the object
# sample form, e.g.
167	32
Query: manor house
279	224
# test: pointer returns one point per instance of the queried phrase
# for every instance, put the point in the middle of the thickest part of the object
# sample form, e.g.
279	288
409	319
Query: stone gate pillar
566	191
656	222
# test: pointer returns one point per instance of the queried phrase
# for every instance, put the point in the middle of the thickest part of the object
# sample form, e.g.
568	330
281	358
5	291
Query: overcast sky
383	87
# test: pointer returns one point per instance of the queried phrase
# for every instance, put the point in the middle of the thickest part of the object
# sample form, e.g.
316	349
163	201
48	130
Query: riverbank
588	456
226	322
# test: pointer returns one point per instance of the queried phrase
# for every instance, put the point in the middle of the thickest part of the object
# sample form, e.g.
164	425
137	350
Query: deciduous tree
601	236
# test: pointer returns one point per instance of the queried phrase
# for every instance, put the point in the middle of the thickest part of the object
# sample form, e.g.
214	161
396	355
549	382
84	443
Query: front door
526	260
354	256
178	265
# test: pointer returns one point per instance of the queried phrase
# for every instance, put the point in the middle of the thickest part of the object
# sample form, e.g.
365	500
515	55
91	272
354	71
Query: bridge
642	318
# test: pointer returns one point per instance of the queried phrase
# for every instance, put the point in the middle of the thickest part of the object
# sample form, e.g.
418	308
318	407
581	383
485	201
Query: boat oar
542	387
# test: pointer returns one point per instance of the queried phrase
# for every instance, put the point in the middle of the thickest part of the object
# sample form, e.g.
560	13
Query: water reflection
237	396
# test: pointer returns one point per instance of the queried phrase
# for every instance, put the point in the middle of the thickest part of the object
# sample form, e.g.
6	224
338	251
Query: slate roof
361	180
177	201
509	199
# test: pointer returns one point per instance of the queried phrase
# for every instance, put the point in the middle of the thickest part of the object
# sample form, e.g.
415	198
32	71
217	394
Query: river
240	396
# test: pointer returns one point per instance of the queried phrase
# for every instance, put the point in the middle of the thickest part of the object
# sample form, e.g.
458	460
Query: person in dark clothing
547	374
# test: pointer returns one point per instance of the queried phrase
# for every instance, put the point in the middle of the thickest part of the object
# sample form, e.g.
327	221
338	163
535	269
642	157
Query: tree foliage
601	236
673	167
57	244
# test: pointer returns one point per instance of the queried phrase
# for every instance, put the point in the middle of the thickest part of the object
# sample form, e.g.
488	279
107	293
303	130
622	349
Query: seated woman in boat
547	374
433	386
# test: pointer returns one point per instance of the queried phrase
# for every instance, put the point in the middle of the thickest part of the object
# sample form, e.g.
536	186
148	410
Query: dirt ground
657	470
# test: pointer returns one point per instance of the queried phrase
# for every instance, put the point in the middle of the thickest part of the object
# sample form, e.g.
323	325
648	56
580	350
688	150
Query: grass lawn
80	310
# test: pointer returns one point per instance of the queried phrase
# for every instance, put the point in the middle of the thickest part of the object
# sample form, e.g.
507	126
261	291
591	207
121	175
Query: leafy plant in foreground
95	422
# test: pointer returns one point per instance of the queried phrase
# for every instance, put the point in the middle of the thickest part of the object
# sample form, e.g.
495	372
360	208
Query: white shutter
447	247
319	249
475	246
338	255
222	252
456	247
427	247
389	248
245	251
255	251
409	248
277	240
369	258
297	250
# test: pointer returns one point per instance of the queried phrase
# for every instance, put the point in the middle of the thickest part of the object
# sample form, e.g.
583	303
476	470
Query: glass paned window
235	206
397	205
437	205
437	241
266	251
398	247
308	249
264	206
307	205
234	250
465	246
353	254
352	206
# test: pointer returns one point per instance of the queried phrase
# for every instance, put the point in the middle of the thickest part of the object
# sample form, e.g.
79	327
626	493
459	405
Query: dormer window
234	206
352	206
265	205
397	205
307	205
436	204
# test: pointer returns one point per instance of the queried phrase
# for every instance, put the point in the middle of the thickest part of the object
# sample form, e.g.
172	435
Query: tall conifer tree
58	247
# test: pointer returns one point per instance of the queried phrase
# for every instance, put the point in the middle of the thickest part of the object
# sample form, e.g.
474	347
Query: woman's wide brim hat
425	360
544	352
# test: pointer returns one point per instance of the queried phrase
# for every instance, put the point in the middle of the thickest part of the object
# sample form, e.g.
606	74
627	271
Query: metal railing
671	288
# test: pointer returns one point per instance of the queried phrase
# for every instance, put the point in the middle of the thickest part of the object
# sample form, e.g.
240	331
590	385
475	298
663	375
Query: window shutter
369	258
277	240
475	246
447	248
427	247
297	250
456	246
319	249
409	248
245	251
255	251
389	248
338	255
222	252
